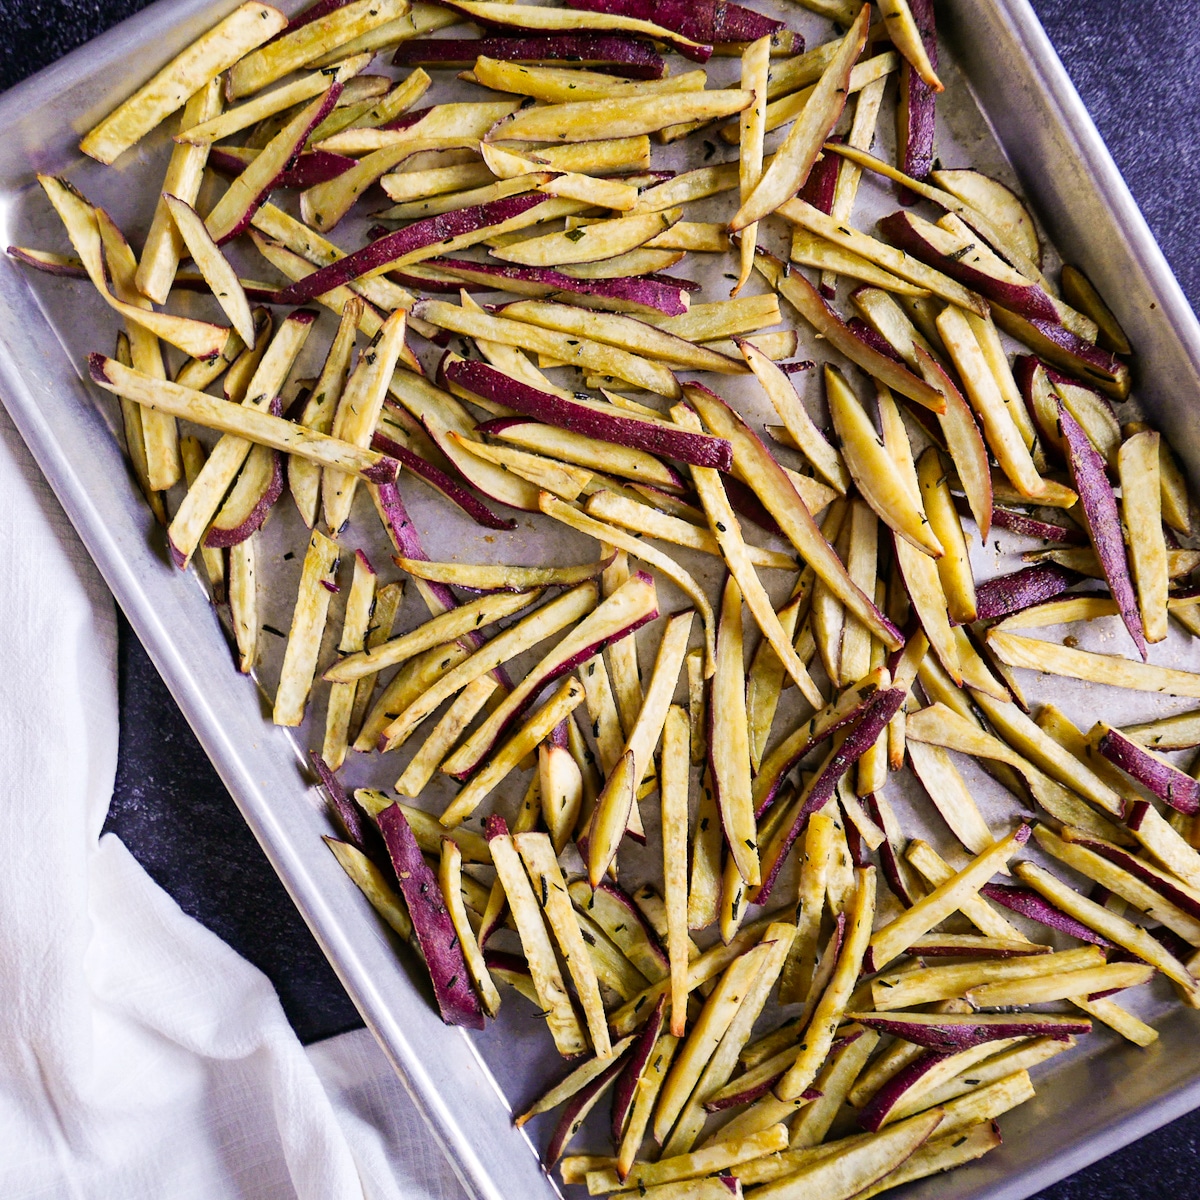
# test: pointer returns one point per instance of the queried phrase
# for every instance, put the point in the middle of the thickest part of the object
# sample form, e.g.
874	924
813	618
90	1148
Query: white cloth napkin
141	1057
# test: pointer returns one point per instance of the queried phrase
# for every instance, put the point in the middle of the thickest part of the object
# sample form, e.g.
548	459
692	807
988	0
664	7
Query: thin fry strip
828	1013
603	533
357	414
906	37
204	497
387	603
719	1010
324	204
221	278
607	729
379	290
193	455
163	246
1141	505
765	680
642	519
556	85
410	683
727	530
936	871
674	790
705	967
620	615
246	424
373	884
200	339
540	21
355	625
1061	987
1111	926
862	563
709	1160
295	266
616	329
809	303
801	213
542	623
581	352
809	439
495	911
622	657
809	250
786	106
217	50
729	741
725	1058
814	869
304	478
577	1079
794	159
507	757
894	938
862	134
615	805
756	68
450	878
300	46
537	852
905	989
835	1082
948	791
568	1035
159	431
650	1085
1002	433
621	117
972	216
704	885
317	581
1030	740
235	209
233	120
444	735
243	600
1109	669
1151	891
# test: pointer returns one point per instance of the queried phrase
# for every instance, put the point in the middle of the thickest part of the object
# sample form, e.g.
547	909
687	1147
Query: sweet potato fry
542	623
794	159
220	48
1110	669
307	43
829	1011
200	339
1141	505
569	1037
808	302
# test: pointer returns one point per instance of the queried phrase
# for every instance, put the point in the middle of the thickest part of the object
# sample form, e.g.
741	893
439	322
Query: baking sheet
465	1083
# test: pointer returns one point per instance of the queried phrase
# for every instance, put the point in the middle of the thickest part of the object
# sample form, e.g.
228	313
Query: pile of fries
909	995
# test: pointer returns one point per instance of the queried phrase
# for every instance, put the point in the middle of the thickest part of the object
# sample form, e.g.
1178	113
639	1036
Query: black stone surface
1137	66
170	808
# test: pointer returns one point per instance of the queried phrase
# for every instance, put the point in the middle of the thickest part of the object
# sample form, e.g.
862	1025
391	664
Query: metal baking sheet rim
452	1087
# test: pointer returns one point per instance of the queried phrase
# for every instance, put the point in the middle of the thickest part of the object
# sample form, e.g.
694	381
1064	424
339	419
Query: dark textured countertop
1137	67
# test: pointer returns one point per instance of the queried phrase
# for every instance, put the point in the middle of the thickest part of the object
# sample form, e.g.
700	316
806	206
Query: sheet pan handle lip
1096	160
